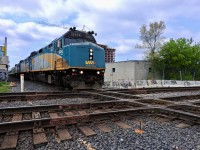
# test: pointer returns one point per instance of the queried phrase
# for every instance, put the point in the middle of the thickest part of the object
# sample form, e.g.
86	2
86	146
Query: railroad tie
17	117
39	137
36	115
69	113
86	130
64	134
122	125
103	127
10	140
82	112
182	125
53	115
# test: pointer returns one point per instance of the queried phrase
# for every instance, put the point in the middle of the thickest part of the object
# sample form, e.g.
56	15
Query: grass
4	87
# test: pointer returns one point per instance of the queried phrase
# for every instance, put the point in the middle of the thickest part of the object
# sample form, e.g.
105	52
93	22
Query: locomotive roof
78	34
73	34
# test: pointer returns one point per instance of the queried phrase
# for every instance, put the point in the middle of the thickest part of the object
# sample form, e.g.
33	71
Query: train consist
73	60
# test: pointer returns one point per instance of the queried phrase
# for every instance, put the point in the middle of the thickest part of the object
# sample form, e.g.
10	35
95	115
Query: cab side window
59	43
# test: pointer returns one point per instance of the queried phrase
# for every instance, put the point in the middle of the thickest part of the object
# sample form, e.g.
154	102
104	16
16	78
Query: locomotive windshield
78	36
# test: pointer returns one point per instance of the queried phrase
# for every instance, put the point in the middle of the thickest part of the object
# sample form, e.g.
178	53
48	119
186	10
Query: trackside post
22	82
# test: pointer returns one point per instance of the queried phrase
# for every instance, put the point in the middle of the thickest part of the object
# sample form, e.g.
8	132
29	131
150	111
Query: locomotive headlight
98	72
81	72
91	50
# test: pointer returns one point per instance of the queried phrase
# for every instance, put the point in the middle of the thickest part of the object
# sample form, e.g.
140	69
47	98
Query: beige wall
4	60
3	67
126	71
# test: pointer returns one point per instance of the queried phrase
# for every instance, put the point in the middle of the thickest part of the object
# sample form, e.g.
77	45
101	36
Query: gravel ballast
30	86
156	136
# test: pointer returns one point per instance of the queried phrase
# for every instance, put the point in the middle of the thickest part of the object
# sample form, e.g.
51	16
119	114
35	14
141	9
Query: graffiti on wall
140	82
154	82
123	84
106	84
126	84
170	82
3	76
148	83
186	83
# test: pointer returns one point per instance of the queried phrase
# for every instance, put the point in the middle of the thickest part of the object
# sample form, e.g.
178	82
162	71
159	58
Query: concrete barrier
127	84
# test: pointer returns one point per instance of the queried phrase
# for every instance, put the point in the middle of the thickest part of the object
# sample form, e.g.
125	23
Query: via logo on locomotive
90	62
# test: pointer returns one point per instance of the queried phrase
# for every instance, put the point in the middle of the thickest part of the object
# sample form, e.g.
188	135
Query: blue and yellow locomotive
73	60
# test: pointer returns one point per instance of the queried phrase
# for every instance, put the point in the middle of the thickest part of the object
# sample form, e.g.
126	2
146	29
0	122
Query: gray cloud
117	22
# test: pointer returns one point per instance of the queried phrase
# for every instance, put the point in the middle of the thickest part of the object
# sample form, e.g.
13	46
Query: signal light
91	54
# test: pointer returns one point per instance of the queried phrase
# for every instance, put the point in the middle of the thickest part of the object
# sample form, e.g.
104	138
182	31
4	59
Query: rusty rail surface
111	109
182	98
155	90
92	105
76	119
49	96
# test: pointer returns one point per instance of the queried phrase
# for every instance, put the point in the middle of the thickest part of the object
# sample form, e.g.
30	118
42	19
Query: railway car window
68	41
59	43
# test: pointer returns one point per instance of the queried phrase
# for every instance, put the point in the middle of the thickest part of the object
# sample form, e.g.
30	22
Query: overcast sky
117	22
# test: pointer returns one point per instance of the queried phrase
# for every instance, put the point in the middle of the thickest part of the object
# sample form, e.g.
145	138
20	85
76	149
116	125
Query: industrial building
126	73
4	62
109	53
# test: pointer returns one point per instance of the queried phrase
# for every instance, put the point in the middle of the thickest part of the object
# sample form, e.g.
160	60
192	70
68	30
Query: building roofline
129	61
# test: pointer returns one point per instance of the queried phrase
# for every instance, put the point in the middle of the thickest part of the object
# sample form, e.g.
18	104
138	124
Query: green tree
180	59
152	40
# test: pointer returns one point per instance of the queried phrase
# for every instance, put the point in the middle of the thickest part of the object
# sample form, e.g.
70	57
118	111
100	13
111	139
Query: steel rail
156	90
91	105
42	96
76	119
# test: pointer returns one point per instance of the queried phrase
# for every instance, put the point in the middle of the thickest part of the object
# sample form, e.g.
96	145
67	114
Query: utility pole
5	53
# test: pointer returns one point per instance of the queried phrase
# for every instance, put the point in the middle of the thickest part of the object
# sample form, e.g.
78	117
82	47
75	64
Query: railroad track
155	90
122	93
30	96
79	114
113	106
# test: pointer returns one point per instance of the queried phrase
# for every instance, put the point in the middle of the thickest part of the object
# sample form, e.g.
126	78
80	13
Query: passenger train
73	60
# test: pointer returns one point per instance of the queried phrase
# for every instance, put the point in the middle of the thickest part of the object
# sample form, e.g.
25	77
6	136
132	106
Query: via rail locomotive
73	60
